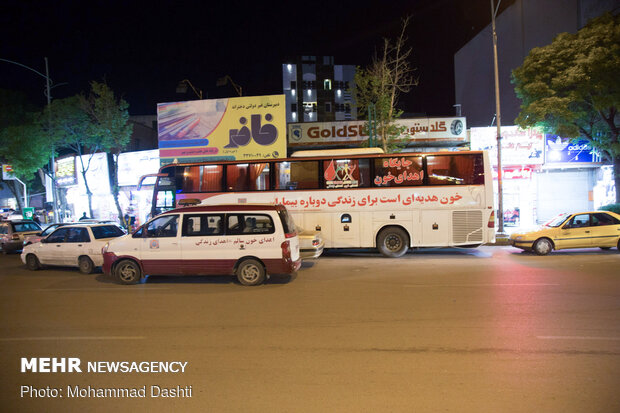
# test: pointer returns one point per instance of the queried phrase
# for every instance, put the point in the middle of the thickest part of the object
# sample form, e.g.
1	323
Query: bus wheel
250	272
393	242
127	272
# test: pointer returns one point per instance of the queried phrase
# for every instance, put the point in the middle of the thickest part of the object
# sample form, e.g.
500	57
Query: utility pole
500	202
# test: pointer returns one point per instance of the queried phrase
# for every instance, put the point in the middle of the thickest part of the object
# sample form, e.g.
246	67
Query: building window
293	84
293	107
328	107
327	84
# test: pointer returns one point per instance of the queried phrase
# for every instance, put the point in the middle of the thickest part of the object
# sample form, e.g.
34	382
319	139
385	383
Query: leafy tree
571	87
72	129
109	117
380	85
24	144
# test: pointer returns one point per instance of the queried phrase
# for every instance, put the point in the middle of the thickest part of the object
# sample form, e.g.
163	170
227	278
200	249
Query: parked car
310	244
12	234
577	230
31	239
246	240
76	245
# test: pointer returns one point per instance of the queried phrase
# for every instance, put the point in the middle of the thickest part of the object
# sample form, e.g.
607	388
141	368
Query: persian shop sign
250	127
417	130
519	146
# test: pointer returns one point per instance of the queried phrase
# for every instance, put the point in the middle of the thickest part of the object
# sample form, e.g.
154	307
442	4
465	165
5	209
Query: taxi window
600	219
580	221
107	231
202	224
163	227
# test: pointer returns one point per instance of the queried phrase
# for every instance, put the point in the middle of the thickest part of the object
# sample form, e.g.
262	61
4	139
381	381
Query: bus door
346	229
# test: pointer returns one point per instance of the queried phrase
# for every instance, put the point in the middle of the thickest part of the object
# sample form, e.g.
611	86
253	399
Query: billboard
252	127
418	131
519	146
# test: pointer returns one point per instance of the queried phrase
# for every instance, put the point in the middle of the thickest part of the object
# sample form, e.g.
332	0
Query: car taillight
286	249
315	242
491	223
290	235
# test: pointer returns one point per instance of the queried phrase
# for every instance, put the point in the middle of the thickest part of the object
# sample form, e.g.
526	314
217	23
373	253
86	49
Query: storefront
543	175
133	203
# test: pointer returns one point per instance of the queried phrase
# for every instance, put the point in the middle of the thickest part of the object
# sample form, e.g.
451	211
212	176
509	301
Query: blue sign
566	150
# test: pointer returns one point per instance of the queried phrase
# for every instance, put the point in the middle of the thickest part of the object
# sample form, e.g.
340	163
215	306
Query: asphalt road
484	330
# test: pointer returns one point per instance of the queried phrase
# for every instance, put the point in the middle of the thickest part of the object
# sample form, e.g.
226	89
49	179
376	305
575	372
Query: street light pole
500	202
48	94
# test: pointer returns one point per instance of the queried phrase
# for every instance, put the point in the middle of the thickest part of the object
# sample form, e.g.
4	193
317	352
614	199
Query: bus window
346	173
399	171
247	177
297	175
457	169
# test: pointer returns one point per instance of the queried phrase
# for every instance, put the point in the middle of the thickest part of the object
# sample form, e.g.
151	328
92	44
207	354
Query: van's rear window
287	221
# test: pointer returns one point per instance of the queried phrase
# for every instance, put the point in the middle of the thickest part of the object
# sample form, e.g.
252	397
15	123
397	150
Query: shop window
399	171
297	175
346	173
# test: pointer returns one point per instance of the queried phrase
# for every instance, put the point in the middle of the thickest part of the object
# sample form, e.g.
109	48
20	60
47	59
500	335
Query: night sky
143	49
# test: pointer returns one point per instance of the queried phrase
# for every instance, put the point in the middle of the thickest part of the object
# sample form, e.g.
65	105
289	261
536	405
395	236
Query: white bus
391	202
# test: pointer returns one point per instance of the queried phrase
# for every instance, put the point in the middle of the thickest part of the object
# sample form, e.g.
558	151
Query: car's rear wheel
543	246
393	242
32	262
128	272
251	272
86	265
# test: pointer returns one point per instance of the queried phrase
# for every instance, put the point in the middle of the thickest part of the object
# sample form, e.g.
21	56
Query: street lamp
500	202
48	94
182	88
222	81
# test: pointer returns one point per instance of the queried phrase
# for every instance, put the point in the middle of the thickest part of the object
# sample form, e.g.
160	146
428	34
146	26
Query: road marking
73	338
480	285
102	289
577	338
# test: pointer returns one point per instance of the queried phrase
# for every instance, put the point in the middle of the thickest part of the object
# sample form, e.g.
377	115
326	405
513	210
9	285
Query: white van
246	240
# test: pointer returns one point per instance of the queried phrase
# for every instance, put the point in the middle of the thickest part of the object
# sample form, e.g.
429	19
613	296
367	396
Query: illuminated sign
519	146
563	150
417	130
65	172
251	127
133	165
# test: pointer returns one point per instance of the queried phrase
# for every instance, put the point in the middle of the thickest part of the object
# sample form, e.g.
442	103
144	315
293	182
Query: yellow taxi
578	230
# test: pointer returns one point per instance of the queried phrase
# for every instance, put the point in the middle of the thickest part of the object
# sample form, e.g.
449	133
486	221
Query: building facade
522	26
317	90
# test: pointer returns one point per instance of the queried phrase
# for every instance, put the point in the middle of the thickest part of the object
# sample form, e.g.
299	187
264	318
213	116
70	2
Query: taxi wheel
605	248
543	246
128	272
86	265
250	272
32	262
393	242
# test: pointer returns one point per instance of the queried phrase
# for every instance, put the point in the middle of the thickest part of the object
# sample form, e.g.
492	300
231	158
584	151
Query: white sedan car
77	245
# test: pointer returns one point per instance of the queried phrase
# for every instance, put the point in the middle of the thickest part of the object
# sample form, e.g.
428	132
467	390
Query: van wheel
32	262
543	246
86	265
250	272
393	242
128	272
